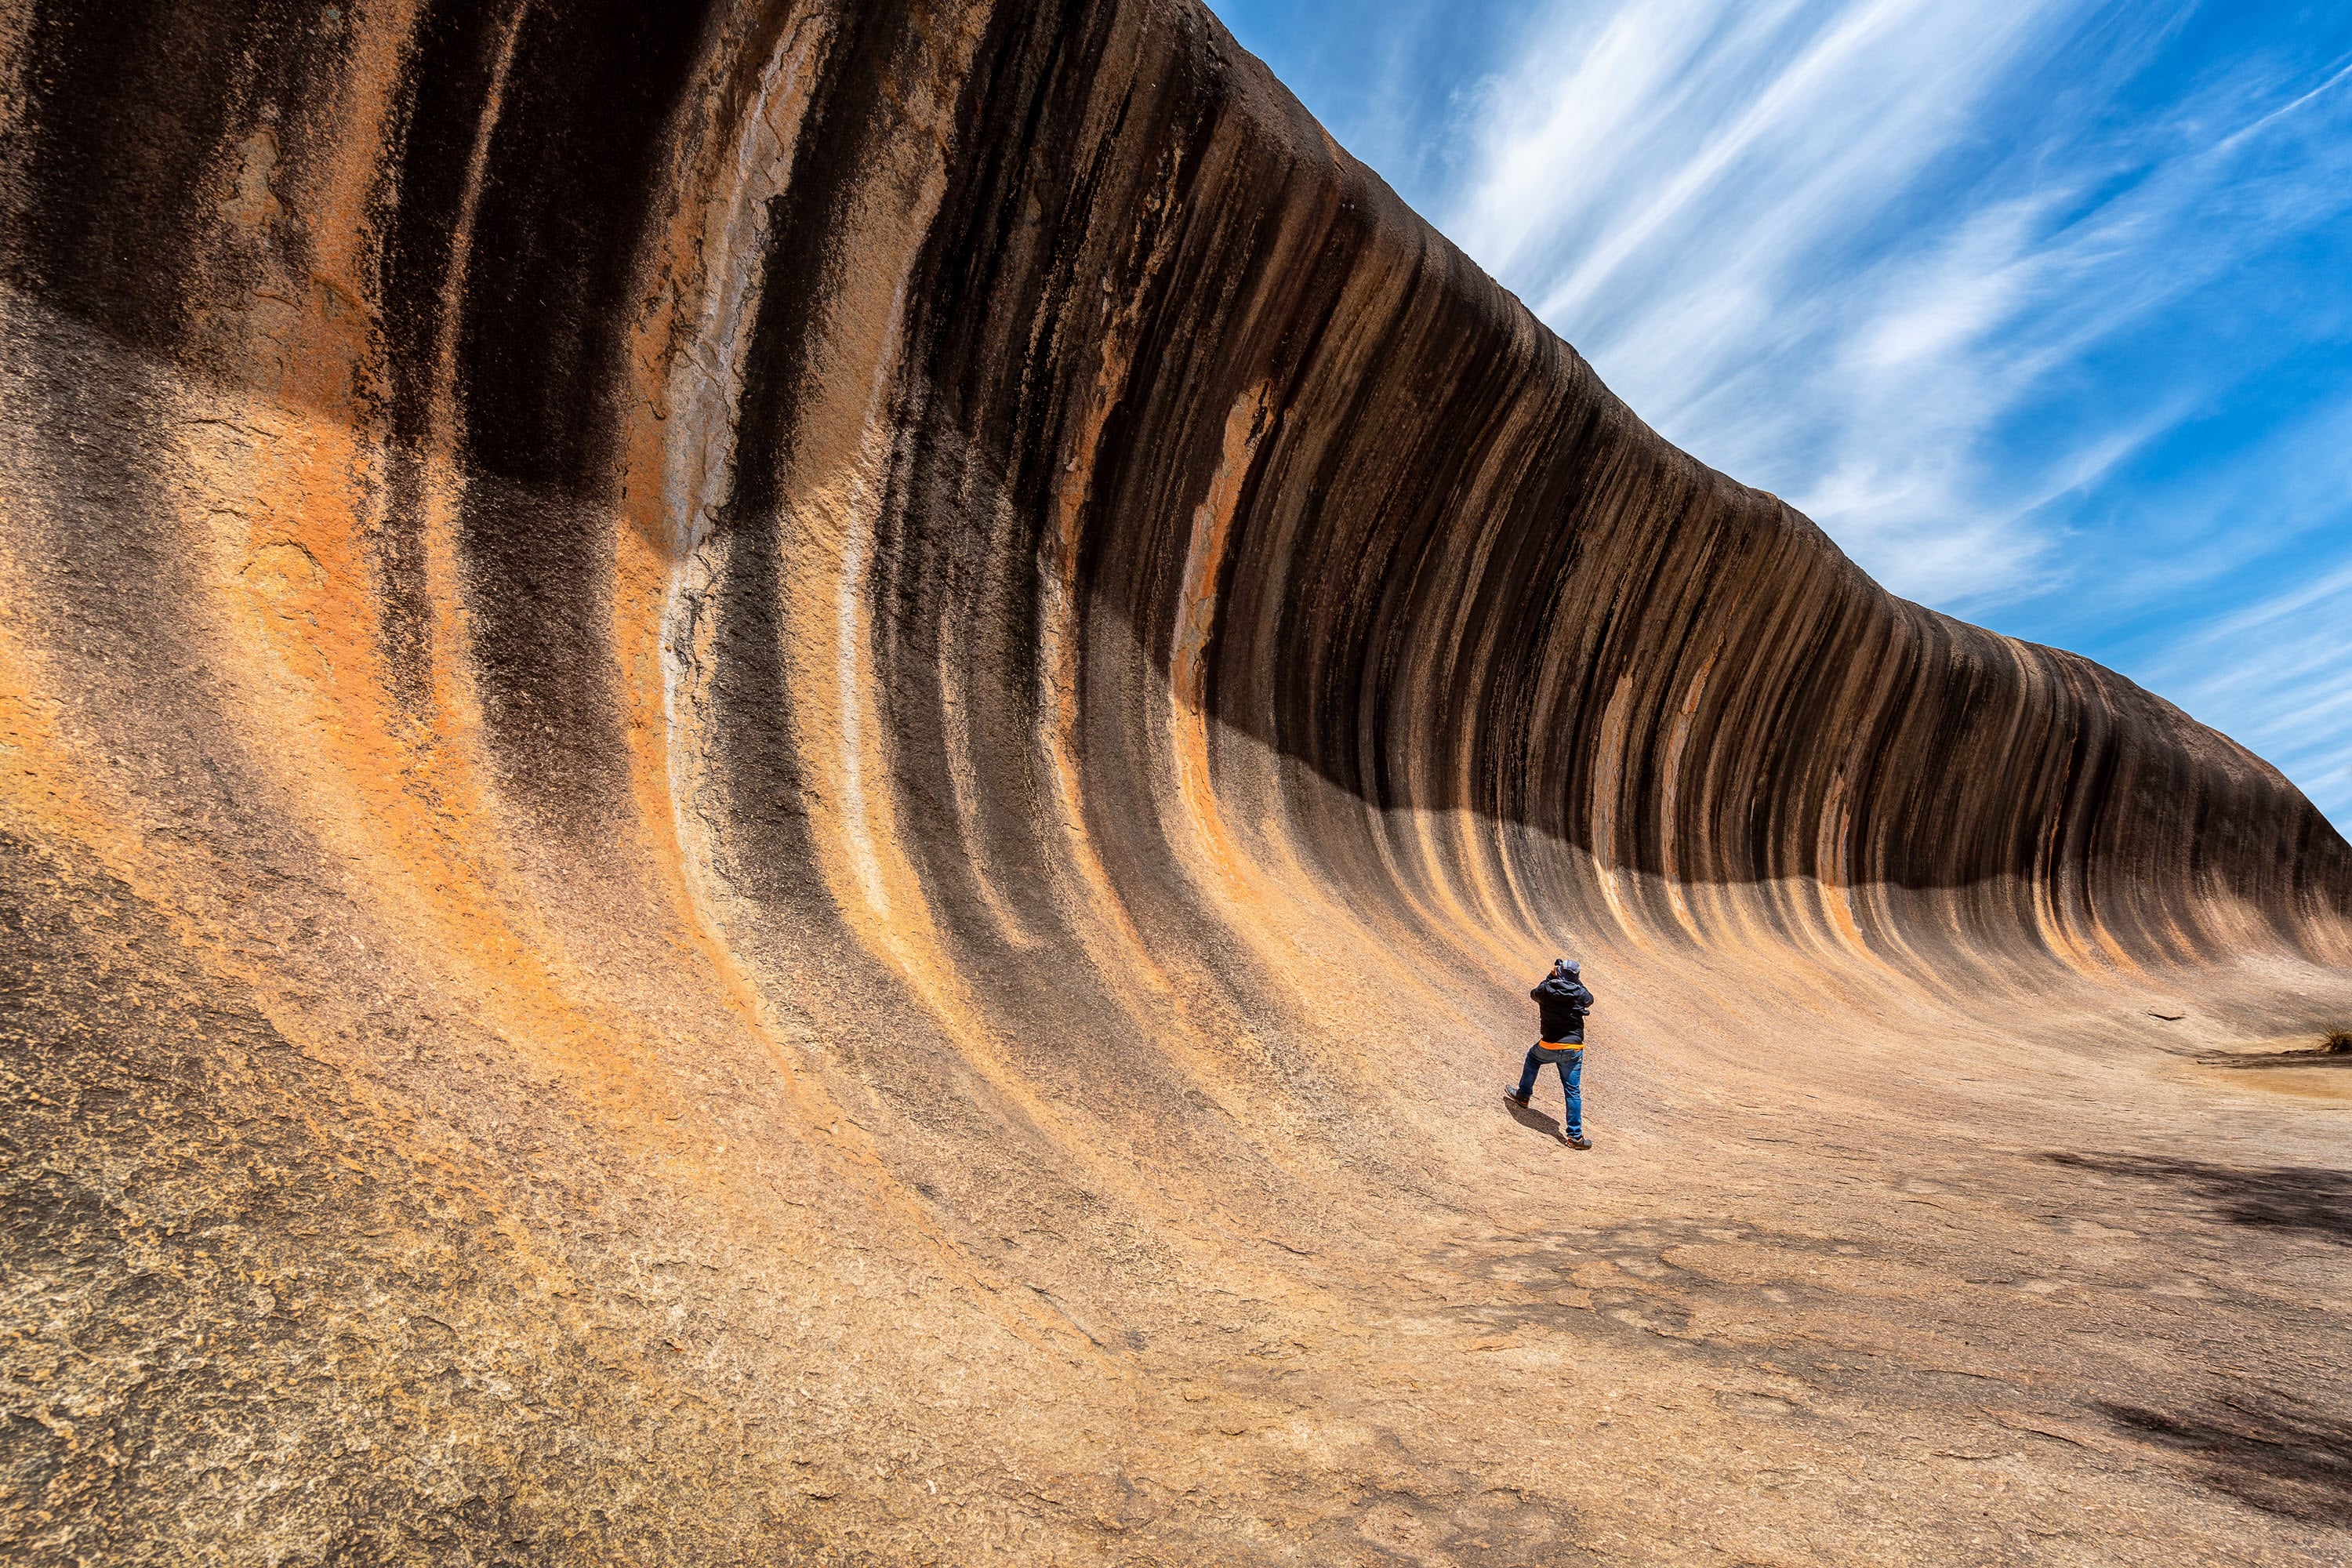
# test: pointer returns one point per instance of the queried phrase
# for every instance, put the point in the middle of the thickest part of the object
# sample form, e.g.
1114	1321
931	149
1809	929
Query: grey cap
1571	966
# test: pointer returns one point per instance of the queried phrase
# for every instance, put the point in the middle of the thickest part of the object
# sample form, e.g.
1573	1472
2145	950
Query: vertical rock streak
797	567
986	455
1098	260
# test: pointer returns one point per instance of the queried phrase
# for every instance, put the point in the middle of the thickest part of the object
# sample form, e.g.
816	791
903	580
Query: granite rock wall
669	671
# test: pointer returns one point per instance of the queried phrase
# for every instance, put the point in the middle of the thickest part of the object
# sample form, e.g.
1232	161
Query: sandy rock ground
2078	1298
777	783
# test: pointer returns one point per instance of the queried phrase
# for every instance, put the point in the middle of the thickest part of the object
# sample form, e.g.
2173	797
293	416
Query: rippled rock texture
776	782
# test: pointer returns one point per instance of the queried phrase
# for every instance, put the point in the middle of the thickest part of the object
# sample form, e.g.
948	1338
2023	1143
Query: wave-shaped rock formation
779	777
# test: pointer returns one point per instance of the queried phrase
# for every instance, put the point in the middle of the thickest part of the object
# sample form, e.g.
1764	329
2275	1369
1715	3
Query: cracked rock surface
777	781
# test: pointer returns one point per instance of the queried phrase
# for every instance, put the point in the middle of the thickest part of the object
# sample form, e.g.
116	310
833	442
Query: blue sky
2043	307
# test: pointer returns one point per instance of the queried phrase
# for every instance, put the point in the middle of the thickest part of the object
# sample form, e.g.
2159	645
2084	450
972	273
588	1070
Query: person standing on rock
1563	1002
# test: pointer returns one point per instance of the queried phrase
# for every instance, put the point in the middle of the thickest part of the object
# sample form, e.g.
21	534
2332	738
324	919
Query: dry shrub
2340	1040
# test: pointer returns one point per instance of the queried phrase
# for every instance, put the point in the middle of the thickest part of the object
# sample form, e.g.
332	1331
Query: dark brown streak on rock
834	941
574	163
444	95
768	853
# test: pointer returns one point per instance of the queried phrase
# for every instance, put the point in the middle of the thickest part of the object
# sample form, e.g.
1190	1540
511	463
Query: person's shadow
1528	1116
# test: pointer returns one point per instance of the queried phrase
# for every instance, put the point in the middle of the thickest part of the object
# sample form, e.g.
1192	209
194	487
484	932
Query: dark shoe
1576	1141
1519	1100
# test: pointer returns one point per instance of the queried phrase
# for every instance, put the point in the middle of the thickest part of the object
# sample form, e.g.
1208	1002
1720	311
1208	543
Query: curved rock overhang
780	638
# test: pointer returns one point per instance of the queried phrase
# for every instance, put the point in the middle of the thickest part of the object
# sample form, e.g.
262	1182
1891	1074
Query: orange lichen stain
1830	864
1222	867
285	497
831	502
50	785
1670	798
1299	929
1247	424
1608	782
829	510
1309	940
840	727
334	359
686	368
2119	961
290	482
1120	951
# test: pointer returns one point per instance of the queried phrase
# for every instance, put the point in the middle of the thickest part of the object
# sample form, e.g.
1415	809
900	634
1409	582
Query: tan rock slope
777	780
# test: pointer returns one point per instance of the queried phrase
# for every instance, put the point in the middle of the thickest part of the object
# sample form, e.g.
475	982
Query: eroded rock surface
777	778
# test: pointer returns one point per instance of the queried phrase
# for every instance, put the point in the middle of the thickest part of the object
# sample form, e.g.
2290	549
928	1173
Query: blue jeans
1569	1059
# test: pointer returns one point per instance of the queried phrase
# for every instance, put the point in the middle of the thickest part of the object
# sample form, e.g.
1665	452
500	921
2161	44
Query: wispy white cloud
2275	676
2043	307
1775	229
1672	185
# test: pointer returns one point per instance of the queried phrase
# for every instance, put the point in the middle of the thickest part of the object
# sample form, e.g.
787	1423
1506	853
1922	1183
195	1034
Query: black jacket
1565	1002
